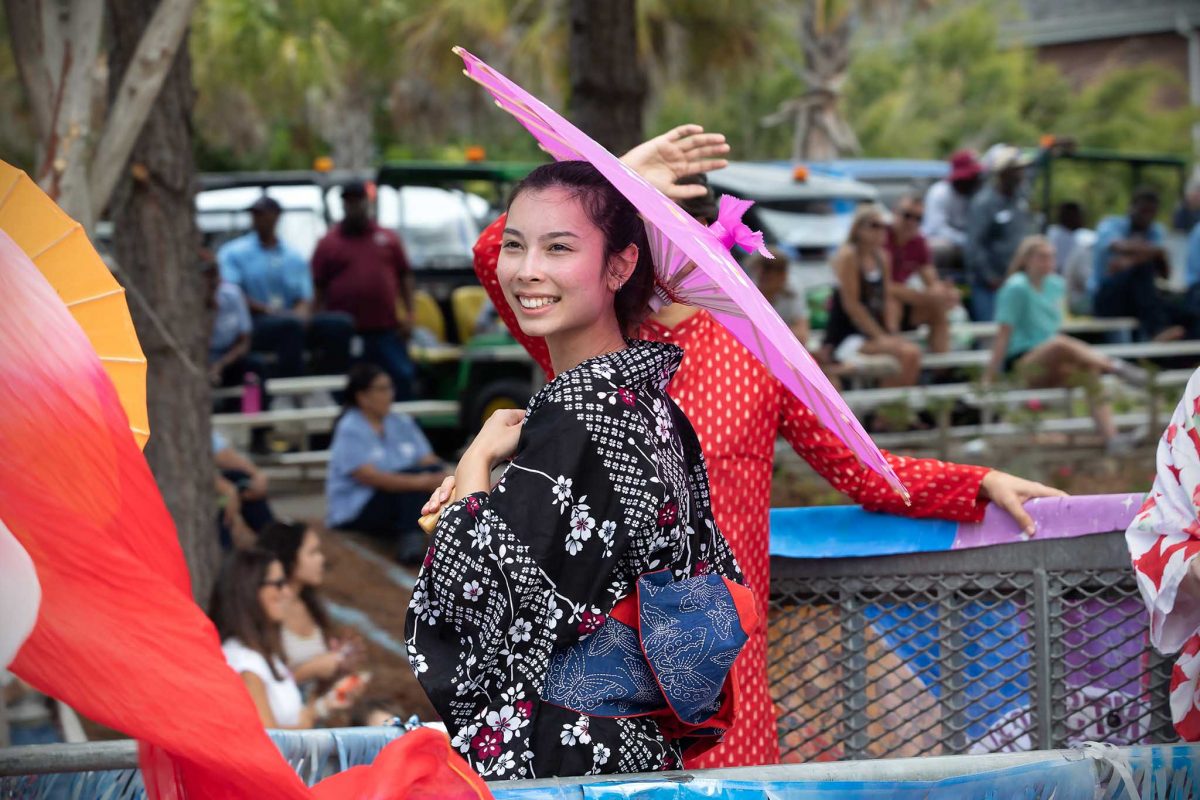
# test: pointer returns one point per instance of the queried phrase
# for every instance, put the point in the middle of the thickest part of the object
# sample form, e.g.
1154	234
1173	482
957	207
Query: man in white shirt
946	204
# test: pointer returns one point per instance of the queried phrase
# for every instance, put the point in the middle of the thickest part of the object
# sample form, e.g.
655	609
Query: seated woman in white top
310	649
247	607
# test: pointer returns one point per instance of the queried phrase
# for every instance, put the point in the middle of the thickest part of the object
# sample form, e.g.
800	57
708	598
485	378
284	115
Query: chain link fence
1037	645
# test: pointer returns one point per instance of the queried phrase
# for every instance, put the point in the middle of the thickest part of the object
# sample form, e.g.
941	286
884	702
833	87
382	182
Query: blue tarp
849	531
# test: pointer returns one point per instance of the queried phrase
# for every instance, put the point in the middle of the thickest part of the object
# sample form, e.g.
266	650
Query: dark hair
284	540
1144	194
703	208
616	218
1070	212
358	380
235	608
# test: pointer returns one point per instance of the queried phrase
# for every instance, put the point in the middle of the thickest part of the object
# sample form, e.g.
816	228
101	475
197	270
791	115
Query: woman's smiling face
552	266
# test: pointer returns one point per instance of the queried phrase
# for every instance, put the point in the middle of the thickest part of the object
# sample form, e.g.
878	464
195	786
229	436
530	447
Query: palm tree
259	61
825	29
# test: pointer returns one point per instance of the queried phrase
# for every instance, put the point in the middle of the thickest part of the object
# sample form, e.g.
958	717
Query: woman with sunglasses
865	316
925	298
248	605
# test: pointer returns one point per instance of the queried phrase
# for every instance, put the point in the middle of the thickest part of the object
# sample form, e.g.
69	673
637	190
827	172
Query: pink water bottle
251	394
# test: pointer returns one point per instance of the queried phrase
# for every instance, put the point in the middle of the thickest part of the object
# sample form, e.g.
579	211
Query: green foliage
946	80
950	84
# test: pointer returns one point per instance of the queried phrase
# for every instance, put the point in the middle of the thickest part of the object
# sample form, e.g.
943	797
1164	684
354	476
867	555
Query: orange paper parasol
59	247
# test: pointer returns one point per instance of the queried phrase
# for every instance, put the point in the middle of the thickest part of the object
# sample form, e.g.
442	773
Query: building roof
1048	22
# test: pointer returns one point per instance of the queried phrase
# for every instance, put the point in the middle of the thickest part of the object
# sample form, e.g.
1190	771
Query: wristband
321	708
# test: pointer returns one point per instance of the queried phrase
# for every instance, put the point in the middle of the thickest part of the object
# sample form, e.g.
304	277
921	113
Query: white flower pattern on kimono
520	630
581	528
576	732
586	467
507	721
562	492
607	534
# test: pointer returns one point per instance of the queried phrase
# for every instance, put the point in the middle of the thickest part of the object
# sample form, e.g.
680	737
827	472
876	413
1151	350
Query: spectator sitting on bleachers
1078	273
925	298
996	223
771	277
311	649
1192	298
1187	213
1064	233
1128	257
279	290
242	490
382	469
360	269
230	361
946	206
864	317
1028	342
247	607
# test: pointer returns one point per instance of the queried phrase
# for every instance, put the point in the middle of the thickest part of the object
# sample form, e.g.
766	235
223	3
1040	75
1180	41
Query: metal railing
1037	645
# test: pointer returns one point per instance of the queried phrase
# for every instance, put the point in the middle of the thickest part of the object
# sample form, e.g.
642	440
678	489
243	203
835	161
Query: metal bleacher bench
1139	350
860	400
317	419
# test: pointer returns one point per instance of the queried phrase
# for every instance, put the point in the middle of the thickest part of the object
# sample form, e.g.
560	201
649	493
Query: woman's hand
497	440
257	488
682	151
441	495
1010	493
326	666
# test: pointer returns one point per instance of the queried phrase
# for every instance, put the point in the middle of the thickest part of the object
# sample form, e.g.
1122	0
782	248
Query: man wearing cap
279	291
945	222
997	221
360	268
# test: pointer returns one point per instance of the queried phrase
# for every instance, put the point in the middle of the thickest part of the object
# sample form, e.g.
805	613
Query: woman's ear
622	266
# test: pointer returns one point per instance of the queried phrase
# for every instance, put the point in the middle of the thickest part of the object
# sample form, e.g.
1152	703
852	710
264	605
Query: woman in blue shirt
382	468
1028	342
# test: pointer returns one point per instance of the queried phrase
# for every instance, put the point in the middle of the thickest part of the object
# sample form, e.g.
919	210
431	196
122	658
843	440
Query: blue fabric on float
849	531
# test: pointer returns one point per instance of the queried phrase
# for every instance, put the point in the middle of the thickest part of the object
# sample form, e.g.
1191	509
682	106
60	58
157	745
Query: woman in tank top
864	318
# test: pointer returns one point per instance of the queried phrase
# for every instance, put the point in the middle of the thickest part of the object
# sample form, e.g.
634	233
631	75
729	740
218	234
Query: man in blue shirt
278	288
1128	256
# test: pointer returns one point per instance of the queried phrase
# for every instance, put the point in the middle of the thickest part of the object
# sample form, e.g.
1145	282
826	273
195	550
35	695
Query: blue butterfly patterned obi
666	650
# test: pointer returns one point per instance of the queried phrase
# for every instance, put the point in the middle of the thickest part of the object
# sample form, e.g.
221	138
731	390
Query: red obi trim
709	732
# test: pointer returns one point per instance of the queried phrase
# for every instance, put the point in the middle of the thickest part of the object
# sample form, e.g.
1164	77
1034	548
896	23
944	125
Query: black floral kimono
582	617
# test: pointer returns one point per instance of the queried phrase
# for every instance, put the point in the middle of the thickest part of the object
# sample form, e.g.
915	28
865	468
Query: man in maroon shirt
360	268
927	299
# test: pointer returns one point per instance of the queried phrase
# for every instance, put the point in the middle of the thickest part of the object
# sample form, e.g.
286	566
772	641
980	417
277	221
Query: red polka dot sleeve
487	254
938	488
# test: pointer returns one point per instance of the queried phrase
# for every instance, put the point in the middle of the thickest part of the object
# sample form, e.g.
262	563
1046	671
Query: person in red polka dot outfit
738	410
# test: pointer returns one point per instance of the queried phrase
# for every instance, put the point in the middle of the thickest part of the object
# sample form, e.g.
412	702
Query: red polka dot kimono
1163	539
738	410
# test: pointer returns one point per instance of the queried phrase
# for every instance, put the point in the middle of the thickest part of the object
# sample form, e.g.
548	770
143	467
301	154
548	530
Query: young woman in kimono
582	615
739	410
1164	540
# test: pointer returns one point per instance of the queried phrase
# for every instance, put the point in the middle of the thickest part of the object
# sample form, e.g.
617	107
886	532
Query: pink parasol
693	263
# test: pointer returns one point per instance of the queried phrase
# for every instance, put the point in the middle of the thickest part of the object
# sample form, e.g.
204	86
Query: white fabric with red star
1163	540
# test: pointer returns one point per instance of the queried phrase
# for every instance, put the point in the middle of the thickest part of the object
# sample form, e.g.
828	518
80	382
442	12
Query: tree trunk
608	83
155	242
